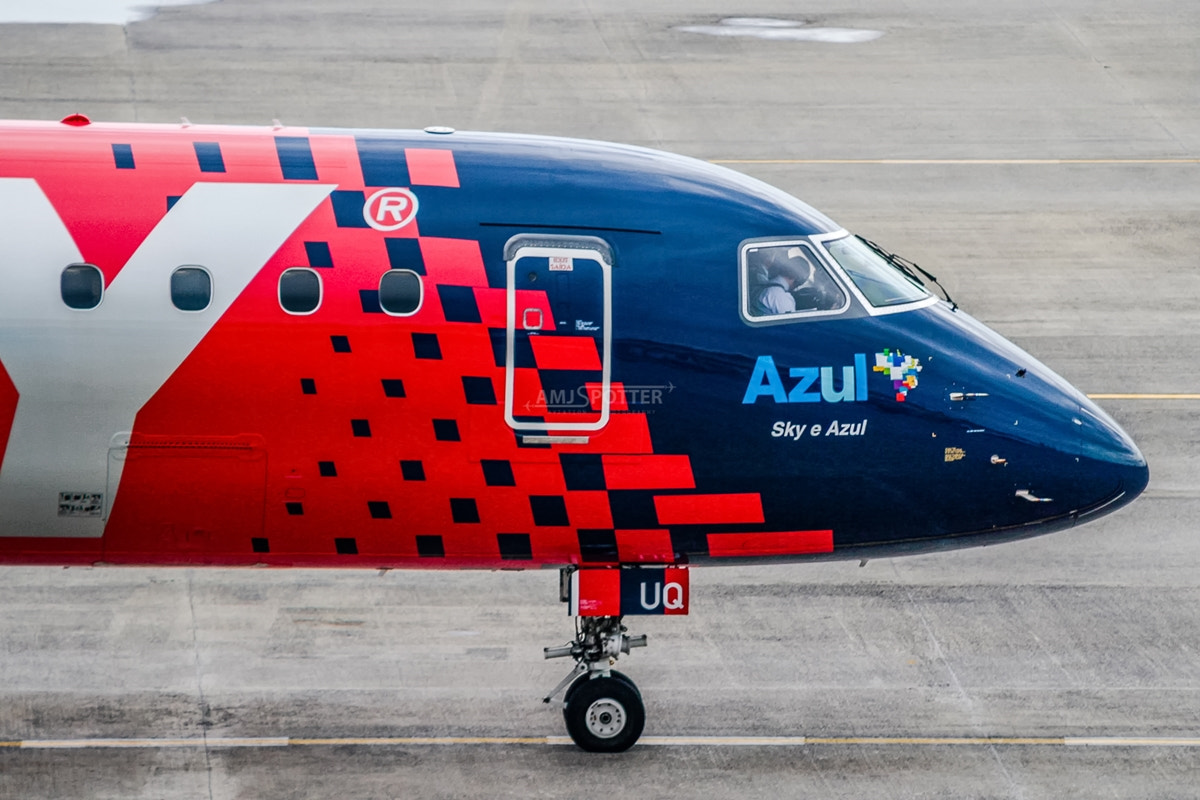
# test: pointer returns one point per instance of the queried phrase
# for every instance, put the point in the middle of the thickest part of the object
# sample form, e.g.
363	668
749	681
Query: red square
589	509
457	262
431	167
565	352
648	472
708	509
645	547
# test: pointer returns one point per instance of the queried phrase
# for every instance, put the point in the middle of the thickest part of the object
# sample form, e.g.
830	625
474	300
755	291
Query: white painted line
722	741
645	741
781	30
1116	741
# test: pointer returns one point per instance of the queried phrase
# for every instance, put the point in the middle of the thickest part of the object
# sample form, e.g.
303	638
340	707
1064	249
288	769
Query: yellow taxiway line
651	741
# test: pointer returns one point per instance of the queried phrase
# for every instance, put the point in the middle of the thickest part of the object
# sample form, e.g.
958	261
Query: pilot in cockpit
780	272
786	280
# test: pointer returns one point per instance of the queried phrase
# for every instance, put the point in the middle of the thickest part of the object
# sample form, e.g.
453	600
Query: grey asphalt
1051	159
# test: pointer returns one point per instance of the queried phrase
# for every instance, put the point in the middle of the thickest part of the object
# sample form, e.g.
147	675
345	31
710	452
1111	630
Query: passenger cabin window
191	288
880	282
400	292
784	281
82	286
299	290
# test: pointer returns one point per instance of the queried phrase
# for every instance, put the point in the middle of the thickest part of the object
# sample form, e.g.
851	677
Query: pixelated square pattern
385	435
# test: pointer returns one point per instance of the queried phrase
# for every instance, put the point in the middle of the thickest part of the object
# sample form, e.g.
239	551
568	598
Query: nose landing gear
602	707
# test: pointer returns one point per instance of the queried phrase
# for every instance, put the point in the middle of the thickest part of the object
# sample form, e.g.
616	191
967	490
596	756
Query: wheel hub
605	718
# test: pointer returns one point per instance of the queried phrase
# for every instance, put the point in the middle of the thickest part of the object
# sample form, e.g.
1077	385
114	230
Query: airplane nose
1115	471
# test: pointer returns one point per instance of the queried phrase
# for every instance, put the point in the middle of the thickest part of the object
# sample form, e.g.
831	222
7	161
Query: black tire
604	715
582	679
575	684
621	676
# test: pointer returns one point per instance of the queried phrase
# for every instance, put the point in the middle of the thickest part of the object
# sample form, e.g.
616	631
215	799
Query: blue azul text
812	384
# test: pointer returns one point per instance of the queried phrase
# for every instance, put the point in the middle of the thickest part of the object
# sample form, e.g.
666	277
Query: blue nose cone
1114	471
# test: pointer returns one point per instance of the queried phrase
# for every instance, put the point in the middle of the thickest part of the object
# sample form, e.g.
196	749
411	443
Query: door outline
544	246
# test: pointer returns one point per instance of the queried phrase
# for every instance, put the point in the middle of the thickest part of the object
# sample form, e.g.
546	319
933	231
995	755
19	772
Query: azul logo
820	384
901	371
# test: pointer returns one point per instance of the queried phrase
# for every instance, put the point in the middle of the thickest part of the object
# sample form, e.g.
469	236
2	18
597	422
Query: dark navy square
405	254
361	427
295	158
172	199
690	540
393	387
308	386
348	208
260	545
479	391
463	509
379	509
498	473
341	344
369	300
597	545
346	547
383	161
430	547
412	470
445	430
295	509
327	469
582	472
522	349
633	509
123	156
458	303
318	254
549	510
566	389
425	345
208	155
514	546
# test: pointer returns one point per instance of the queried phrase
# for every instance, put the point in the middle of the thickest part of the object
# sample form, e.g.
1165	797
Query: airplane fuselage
423	349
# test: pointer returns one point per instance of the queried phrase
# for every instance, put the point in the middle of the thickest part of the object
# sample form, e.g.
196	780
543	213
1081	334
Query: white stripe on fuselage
82	376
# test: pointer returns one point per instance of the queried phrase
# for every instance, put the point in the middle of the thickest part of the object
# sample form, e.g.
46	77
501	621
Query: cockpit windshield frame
751	285
926	298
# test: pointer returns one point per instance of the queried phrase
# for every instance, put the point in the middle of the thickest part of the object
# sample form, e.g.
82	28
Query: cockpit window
781	281
880	282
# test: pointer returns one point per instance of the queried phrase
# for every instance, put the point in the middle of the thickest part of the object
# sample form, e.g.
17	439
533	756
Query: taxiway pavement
1041	157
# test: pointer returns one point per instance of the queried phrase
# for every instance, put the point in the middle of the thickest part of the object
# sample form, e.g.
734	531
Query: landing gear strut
602	707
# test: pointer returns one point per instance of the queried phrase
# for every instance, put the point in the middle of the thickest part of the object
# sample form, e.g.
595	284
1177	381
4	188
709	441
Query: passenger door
559	334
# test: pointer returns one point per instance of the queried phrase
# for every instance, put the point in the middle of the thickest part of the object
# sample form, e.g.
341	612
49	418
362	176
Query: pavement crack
205	712
133	97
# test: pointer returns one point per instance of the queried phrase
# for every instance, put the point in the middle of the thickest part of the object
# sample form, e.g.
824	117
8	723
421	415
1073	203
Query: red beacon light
76	120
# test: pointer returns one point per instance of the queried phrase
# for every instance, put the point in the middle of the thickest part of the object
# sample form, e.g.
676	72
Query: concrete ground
1042	158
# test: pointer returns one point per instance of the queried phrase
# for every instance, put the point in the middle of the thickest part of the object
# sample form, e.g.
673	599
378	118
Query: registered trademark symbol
390	209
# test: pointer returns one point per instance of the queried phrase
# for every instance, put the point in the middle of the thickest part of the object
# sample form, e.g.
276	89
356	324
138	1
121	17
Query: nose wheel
604	715
602	707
